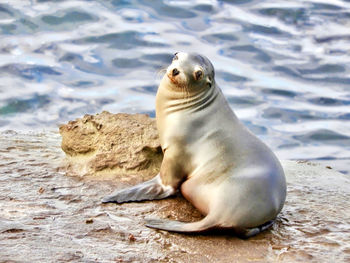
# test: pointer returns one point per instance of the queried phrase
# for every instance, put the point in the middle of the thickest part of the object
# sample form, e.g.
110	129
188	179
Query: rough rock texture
112	145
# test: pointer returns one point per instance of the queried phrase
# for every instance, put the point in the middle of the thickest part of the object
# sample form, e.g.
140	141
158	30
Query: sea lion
226	172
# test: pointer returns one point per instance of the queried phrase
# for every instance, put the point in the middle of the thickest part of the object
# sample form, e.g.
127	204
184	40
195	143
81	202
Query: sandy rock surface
48	214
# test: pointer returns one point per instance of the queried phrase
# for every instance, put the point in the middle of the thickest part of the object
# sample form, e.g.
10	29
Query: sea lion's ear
209	82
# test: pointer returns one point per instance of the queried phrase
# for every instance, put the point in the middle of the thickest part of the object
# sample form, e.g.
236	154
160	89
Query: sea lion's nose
175	72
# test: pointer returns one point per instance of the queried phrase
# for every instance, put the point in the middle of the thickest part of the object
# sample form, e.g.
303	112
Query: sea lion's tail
178	226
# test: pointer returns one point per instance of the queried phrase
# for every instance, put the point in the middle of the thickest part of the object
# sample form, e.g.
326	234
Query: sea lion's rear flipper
149	190
202	225
250	232
177	226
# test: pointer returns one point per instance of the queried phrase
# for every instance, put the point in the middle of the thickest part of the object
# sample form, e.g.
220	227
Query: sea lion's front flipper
149	190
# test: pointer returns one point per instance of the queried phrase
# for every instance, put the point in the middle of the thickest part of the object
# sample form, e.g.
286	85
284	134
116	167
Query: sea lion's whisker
161	72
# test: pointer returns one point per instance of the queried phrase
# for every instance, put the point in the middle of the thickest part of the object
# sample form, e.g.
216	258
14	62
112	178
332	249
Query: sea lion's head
190	71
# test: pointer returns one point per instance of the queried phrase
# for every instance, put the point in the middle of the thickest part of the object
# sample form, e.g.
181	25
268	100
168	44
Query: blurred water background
283	65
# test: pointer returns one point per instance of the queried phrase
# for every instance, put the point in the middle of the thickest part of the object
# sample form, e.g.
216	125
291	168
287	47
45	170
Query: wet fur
203	144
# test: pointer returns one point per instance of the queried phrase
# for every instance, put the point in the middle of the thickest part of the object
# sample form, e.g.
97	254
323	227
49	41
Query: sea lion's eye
175	56
198	74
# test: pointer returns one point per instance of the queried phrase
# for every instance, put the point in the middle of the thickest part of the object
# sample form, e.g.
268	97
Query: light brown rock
112	145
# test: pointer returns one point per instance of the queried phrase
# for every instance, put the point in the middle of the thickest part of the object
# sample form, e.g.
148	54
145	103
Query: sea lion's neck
172	99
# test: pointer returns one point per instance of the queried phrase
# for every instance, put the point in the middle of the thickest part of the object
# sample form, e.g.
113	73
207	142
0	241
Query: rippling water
283	65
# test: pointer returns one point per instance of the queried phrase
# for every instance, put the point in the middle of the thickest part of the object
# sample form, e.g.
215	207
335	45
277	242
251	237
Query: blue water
284	66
